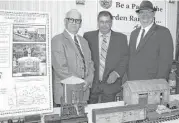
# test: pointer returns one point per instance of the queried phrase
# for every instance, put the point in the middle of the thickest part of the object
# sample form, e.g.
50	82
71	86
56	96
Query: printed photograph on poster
29	33
29	60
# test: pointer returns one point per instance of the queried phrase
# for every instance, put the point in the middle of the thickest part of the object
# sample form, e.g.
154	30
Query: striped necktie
80	51
103	57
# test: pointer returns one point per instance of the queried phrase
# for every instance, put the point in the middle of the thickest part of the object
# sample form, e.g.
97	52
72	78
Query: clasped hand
112	77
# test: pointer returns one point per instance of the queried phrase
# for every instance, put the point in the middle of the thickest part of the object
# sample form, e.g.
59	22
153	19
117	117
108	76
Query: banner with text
125	17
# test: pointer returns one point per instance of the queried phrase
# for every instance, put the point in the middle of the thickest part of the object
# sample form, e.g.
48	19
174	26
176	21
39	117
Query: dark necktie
141	38
79	49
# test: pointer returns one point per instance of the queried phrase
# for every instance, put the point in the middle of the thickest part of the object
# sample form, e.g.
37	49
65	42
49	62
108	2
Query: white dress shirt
140	33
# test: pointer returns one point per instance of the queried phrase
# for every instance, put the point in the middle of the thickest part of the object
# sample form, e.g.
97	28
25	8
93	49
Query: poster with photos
25	63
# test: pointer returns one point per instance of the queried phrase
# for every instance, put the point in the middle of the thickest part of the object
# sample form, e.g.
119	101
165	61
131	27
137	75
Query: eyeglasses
105	22
71	20
145	12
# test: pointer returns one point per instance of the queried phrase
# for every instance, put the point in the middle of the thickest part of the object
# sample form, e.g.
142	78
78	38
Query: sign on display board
25	63
125	18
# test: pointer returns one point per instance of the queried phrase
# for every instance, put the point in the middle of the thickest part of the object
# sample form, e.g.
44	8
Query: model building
149	91
73	101
147	101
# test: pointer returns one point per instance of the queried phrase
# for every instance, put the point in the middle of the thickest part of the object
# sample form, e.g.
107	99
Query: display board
25	63
124	15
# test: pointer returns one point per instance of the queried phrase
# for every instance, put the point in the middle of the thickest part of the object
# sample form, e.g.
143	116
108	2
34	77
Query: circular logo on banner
106	4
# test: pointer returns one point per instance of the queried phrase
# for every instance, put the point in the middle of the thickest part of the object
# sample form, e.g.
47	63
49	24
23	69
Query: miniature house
146	91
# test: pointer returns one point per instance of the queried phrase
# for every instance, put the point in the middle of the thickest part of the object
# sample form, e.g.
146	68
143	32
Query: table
90	107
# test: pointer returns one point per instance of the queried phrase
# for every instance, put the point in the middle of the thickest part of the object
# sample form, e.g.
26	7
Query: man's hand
86	86
112	77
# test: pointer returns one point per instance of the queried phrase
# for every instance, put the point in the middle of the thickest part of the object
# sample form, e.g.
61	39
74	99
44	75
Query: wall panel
172	21
58	8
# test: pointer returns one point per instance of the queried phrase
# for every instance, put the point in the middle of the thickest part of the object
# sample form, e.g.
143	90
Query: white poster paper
25	63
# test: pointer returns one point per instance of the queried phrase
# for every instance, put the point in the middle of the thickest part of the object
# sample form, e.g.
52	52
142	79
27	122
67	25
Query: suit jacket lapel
83	47
133	43
96	48
109	48
147	36
71	42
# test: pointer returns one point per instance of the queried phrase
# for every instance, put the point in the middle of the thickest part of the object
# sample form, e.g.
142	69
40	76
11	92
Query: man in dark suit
150	47
110	55
71	56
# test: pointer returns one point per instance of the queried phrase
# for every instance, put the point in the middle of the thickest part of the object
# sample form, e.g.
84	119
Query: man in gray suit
71	56
151	47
